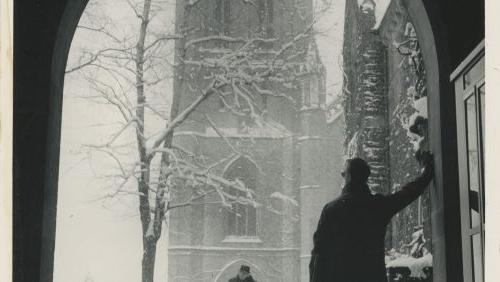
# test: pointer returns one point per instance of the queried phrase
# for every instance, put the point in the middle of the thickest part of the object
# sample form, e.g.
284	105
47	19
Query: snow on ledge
241	239
416	265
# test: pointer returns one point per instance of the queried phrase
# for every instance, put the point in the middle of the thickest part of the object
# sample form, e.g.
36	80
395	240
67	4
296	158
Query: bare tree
129	69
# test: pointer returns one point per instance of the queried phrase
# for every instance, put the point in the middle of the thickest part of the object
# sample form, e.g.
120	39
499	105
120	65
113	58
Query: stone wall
384	92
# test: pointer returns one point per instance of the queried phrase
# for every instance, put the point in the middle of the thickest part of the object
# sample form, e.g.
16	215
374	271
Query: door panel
470	102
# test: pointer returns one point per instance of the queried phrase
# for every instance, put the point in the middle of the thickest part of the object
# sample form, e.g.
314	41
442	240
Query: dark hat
245	268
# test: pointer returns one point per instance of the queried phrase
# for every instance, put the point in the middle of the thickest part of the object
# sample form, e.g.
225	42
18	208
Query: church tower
365	92
384	96
366	105
278	147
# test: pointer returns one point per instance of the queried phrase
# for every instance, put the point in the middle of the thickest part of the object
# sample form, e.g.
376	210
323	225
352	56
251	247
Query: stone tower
286	159
366	92
383	93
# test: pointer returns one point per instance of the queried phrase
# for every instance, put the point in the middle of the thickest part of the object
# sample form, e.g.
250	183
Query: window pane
474	74
482	102
252	221
477	258
231	221
482	97
241	220
472	155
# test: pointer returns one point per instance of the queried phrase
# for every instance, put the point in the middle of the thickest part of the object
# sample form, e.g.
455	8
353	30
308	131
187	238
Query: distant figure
243	275
349	240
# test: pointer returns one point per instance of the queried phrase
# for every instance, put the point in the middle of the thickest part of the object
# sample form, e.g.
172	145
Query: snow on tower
288	156
365	93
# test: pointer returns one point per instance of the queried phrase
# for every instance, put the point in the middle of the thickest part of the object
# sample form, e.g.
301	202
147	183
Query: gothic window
305	87
223	15
270	17
266	16
314	92
241	219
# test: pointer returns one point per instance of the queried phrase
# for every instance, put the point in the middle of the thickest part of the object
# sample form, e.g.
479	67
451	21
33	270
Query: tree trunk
148	261
148	239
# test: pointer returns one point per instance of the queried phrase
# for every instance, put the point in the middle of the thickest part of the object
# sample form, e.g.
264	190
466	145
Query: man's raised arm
411	191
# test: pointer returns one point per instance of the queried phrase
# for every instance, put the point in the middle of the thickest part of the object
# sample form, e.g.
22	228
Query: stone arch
64	36
442	137
236	159
426	18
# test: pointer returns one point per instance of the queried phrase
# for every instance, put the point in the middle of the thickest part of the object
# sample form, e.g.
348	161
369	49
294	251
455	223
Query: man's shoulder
344	200
234	279
336	203
250	279
380	197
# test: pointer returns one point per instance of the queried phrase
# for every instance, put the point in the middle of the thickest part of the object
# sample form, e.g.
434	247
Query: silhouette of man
349	240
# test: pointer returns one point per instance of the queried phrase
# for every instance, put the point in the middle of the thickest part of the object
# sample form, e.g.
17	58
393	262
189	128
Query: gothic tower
365	93
384	92
277	146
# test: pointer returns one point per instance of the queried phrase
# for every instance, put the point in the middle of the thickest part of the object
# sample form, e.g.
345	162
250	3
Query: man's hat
245	268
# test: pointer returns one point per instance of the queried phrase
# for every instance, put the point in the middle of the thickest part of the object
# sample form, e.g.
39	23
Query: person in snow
243	275
349	240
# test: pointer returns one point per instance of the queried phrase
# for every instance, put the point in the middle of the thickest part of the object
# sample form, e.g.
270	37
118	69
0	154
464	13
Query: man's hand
426	159
410	191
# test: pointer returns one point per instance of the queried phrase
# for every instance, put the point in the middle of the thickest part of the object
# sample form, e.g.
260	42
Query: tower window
241	219
223	15
266	16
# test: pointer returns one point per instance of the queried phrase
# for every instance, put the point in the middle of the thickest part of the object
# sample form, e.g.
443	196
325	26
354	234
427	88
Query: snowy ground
416	265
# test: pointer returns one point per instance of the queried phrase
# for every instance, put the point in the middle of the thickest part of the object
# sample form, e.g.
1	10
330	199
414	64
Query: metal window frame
461	97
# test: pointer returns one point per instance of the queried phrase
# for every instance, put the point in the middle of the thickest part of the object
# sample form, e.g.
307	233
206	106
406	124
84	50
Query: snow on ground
416	265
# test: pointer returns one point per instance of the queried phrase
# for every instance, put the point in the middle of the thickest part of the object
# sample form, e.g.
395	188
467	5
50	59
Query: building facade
385	100
390	62
281	145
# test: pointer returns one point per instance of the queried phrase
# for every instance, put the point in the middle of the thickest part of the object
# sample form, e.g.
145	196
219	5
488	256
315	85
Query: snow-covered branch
181	117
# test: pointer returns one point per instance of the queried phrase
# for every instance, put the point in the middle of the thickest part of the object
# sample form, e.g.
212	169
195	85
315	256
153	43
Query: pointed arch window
241	219
223	15
266	16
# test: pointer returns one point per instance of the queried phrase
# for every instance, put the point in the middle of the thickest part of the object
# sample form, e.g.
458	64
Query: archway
442	134
64	36
74	11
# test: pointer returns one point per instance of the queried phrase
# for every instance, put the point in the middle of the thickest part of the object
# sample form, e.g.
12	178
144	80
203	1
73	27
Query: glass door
470	101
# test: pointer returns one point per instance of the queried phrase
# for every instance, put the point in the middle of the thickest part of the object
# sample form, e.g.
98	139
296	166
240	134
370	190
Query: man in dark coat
349	240
243	275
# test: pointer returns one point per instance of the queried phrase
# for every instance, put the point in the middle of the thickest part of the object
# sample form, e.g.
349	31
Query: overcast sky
101	239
